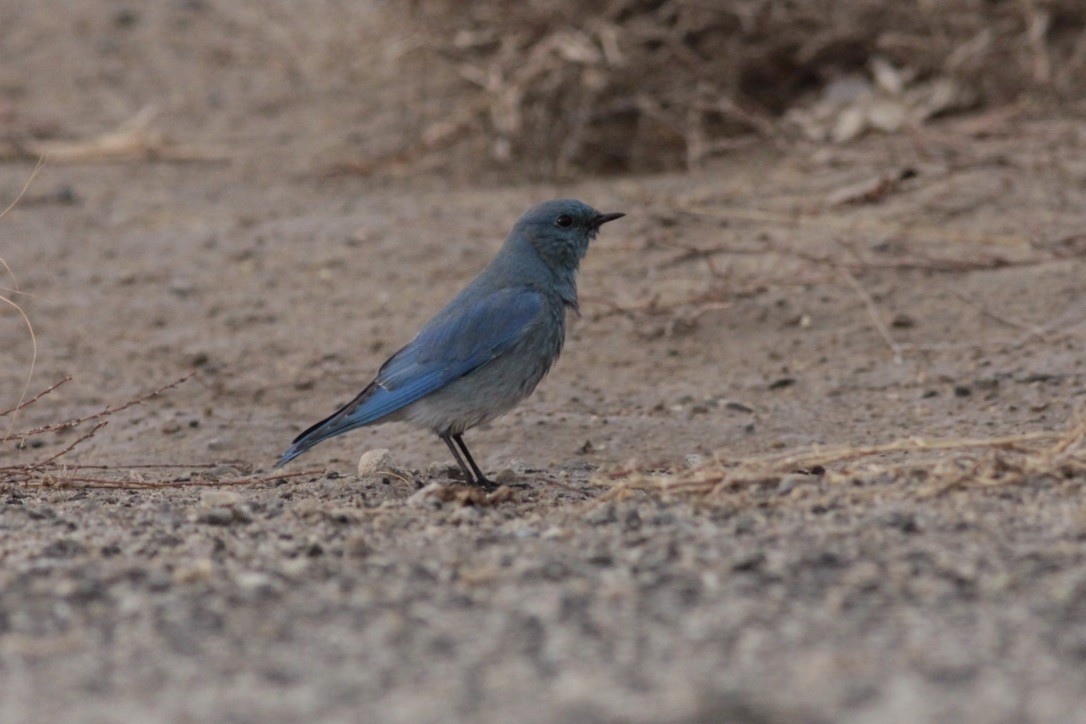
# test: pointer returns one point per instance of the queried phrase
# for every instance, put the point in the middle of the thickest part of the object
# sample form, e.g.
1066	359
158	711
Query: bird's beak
602	219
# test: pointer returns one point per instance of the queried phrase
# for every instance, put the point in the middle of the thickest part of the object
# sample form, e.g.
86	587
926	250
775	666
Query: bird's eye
565	221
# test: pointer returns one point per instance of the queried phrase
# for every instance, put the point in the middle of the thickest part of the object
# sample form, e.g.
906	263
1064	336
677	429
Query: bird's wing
460	339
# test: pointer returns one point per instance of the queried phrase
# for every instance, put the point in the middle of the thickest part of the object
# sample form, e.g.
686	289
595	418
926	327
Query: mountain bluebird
489	347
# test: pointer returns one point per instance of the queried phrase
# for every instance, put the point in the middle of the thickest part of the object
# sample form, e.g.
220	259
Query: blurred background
544	89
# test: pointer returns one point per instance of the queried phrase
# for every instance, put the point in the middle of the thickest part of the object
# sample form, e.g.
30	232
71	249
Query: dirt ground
928	284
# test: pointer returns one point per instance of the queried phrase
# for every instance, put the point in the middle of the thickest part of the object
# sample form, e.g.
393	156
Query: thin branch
48	472
48	462
36	397
75	422
83	481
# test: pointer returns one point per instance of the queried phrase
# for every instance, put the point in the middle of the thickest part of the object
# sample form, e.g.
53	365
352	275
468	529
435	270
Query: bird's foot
485	483
472	480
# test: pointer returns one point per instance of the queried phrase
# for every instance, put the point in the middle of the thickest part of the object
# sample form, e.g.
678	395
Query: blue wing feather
465	335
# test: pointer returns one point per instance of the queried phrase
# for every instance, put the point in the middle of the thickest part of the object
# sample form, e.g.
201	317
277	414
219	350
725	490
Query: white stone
375	462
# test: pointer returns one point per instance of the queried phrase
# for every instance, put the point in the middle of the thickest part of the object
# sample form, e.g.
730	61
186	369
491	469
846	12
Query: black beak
601	219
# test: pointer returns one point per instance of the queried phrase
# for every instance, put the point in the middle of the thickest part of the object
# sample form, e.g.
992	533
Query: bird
489	347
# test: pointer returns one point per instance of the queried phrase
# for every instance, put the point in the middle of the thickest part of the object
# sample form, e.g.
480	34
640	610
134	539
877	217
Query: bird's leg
480	479
459	460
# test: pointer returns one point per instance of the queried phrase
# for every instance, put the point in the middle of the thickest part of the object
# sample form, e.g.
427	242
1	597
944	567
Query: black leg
459	460
480	479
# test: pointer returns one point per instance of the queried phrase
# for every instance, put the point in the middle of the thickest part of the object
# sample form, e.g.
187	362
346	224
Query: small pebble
254	581
182	288
427	497
220	499
518	466
198	571
357	546
601	515
789	482
902	321
507	475
901	520
159	581
219	516
294	567
467	514
374	462
441	470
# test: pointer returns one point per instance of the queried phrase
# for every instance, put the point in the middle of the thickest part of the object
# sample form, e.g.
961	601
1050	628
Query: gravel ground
732	313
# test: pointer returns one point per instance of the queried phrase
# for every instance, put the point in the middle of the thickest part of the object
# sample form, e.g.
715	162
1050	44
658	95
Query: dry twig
984	462
51	471
39	469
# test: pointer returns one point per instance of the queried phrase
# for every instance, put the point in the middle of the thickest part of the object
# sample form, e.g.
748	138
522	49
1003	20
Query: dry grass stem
18	309
936	465
134	140
873	313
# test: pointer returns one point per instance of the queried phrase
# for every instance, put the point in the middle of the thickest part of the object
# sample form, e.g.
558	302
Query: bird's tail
297	448
335	424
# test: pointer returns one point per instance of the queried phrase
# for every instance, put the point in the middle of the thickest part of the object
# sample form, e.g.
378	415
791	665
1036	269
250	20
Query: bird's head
560	231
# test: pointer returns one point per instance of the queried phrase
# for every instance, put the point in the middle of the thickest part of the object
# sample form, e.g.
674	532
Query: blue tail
345	419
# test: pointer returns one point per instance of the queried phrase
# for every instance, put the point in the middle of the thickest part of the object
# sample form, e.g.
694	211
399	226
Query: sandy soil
730	314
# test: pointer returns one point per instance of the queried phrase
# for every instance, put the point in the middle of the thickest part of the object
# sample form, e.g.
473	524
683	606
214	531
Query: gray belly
493	389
